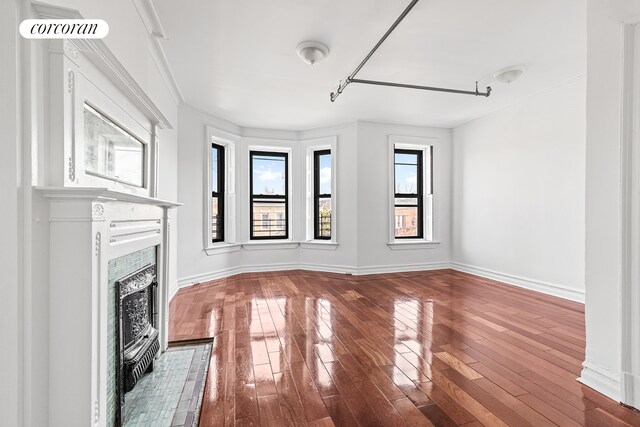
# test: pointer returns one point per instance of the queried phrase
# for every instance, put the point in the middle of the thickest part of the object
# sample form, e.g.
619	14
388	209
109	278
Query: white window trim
326	245
412	143
229	142
222	248
131	120
313	145
271	243
256	245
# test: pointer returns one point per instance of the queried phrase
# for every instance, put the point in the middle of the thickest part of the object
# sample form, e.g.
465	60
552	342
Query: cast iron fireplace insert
137	340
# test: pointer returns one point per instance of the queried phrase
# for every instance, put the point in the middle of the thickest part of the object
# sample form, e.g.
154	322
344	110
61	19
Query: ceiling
237	58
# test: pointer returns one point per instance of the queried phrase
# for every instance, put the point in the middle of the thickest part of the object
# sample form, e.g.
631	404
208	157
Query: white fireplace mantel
102	194
88	227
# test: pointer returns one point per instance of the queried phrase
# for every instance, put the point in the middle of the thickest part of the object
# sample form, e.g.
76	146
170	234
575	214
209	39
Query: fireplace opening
137	341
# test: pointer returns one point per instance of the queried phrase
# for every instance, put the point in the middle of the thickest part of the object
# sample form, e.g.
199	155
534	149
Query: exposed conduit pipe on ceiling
351	78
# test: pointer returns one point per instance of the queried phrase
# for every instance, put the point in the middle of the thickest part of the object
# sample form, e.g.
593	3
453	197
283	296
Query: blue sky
406	175
214	170
325	174
268	175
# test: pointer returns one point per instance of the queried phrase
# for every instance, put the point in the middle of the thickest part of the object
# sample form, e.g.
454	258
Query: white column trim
630	220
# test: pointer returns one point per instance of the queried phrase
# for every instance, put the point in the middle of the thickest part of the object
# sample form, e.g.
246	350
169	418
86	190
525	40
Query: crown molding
162	63
151	20
321	132
103	58
49	11
225	125
212	120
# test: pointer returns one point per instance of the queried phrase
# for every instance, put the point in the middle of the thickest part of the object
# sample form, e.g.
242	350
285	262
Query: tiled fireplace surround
117	269
96	237
92	219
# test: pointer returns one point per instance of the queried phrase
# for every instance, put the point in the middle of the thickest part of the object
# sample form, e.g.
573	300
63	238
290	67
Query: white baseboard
403	268
630	389
532	284
356	271
173	289
601	380
226	272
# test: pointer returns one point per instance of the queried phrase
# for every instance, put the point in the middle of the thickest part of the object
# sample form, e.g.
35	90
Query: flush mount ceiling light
509	74
312	52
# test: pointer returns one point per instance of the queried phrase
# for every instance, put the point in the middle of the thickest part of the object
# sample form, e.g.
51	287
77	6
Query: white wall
362	187
130	43
603	192
345	254
168	190
10	214
373	198
518	204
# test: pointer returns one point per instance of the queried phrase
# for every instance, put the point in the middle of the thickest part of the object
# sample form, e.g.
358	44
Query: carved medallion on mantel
89	227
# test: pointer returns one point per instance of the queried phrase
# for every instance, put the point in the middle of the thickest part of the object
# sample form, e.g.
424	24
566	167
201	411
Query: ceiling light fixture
312	52
509	74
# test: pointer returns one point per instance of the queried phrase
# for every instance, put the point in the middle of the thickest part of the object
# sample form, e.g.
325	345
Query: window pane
411	159
110	151
406	221
324	218
216	220
406	179
324	172
214	169
269	219
269	175
413	201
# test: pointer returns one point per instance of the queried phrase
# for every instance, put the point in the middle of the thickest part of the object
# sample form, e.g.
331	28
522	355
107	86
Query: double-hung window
322	208
268	195
409	193
217	193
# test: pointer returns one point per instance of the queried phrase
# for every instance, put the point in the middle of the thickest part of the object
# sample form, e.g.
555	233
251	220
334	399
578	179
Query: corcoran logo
64	28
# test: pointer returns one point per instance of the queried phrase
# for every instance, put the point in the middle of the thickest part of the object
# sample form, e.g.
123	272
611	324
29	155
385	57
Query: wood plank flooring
438	348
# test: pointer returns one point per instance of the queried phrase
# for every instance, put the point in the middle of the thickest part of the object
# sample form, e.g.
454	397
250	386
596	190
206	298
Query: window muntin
322	202
408	193
112	152
268	195
217	193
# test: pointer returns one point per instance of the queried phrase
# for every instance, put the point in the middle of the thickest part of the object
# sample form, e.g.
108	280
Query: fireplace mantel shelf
89	227
102	194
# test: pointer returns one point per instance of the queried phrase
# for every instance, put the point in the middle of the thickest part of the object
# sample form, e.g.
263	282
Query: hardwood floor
428	348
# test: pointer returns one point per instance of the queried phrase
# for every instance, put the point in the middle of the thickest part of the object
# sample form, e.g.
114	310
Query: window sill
222	248
257	246
412	244
319	244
